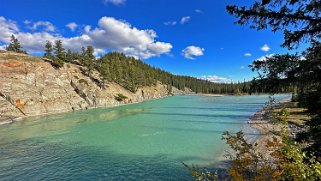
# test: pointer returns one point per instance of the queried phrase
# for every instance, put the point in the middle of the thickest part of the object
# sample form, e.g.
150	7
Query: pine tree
89	59
59	50
15	45
82	56
69	56
48	49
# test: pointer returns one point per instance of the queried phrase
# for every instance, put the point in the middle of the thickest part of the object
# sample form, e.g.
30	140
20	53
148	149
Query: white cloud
191	51
247	54
263	58
265	48
242	67
199	11
87	28
182	21
111	34
72	26
115	2
46	25
215	79
185	19
170	23
7	28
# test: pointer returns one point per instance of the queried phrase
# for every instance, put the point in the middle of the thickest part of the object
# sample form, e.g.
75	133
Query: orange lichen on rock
20	104
12	64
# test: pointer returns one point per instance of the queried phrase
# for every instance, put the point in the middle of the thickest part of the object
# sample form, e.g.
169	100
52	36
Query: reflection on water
147	141
59	124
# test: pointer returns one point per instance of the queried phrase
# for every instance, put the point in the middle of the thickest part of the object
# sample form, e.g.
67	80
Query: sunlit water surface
146	141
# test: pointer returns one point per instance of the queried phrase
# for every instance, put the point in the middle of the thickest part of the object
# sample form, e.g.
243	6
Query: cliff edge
31	86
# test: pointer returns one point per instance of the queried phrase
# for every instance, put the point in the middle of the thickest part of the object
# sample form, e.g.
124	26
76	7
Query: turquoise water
146	141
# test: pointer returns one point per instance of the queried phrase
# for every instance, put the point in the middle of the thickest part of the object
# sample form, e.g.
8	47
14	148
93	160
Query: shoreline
9	120
262	123
17	119
212	95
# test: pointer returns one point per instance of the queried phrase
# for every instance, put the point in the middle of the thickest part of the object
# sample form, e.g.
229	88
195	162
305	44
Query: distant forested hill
132	73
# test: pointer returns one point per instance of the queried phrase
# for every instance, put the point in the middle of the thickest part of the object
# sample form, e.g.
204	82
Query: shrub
120	97
83	81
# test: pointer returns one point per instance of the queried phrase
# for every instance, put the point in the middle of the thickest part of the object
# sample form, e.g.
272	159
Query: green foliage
120	97
56	62
280	116
201	174
132	74
48	49
15	46
298	19
69	56
288	161
59	50
291	162
88	59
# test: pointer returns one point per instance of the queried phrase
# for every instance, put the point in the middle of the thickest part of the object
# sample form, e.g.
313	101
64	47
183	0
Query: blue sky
196	38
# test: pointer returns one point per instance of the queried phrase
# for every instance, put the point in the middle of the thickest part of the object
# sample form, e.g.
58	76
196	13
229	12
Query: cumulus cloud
191	51
45	25
72	26
111	34
185	19
7	28
115	2
263	58
248	54
170	23
215	79
265	48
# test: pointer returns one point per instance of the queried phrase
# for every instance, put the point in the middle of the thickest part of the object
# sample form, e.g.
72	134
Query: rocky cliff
31	86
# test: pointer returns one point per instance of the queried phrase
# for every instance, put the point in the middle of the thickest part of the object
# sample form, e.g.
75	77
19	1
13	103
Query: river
145	141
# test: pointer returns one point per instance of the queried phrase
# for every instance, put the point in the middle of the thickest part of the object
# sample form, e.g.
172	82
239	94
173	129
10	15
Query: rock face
31	86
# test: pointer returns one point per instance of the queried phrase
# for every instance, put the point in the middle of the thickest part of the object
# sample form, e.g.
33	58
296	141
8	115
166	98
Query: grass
5	56
296	115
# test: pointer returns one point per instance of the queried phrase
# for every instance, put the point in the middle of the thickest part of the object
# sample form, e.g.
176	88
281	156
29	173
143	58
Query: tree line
133	73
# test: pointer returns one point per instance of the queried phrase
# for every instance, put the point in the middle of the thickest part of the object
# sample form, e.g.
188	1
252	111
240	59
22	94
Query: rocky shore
262	121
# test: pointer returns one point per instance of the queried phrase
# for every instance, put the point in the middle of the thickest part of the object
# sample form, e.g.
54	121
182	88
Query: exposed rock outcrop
31	86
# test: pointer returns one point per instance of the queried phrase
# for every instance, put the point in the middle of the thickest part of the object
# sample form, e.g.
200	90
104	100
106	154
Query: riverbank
262	121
